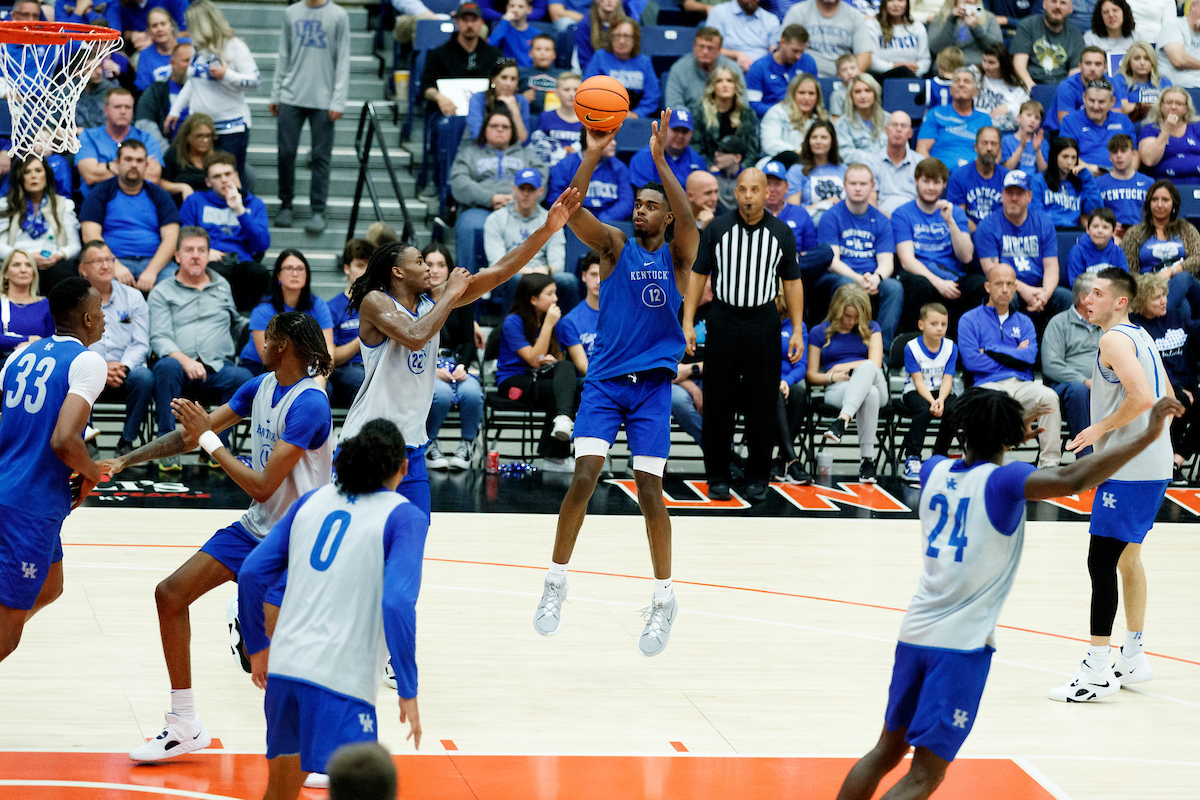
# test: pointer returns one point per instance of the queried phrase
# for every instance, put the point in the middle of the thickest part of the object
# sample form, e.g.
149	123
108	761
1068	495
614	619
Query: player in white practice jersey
401	314
1126	381
292	452
352	555
972	530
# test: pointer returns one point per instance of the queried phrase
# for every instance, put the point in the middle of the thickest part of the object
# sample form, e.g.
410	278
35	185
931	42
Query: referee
746	252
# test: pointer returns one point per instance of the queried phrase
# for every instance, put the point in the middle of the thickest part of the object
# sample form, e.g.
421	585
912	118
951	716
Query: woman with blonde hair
1143	83
221	72
25	316
723	111
845	355
860	130
786	123
183	163
1170	139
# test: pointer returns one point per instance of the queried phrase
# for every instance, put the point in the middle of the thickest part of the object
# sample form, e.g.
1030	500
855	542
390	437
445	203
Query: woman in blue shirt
25	316
1066	190
1170	140
530	367
625	63
291	290
845	354
1164	243
501	92
792	406
154	63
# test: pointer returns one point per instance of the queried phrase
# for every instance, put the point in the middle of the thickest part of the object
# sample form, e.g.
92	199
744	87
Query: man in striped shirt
747	252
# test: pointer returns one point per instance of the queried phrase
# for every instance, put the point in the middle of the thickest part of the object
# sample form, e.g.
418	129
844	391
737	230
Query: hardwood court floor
783	649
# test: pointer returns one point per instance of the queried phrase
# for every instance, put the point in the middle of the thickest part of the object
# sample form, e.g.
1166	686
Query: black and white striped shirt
745	261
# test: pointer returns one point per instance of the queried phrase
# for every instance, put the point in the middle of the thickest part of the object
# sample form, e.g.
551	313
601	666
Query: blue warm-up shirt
930	235
861	238
1085	257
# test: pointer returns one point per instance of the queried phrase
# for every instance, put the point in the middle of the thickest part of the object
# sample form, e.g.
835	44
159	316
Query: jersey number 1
25	364
957	538
319	559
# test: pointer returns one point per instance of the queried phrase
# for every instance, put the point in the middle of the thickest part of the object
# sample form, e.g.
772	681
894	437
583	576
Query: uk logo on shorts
1109	500
368	724
416	361
29	570
960	718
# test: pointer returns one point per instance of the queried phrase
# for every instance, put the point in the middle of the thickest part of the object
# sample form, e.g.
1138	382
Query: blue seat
1044	94
442	6
902	94
827	85
1189	193
1195	93
633	136
448	133
430	33
1066	240
666	44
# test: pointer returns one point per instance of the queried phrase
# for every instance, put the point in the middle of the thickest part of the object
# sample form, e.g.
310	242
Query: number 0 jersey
36	381
973	528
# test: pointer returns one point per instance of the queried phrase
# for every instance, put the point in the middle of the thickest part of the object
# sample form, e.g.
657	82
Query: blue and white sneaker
912	470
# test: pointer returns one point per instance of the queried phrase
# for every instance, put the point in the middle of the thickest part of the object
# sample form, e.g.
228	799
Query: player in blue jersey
352	556
638	344
291	452
972	514
49	387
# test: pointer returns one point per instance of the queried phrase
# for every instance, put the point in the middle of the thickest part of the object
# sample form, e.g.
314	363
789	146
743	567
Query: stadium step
341	183
265	131
266	40
255	15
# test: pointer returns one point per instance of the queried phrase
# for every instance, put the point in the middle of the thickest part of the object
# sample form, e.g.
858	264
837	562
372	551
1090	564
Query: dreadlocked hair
988	421
305	335
379	273
365	461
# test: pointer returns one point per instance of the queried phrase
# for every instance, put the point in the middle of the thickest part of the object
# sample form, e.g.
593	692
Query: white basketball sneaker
1135	669
548	618
179	737
1087	685
659	619
316	780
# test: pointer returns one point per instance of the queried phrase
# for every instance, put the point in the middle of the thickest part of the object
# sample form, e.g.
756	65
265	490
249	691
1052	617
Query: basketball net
42	83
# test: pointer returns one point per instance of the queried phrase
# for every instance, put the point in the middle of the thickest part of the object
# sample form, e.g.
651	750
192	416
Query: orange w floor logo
806	498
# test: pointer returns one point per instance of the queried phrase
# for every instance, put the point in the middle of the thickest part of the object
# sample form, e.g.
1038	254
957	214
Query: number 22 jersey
973	529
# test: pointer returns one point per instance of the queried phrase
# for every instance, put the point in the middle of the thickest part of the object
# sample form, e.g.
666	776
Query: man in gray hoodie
512	224
312	81
1069	348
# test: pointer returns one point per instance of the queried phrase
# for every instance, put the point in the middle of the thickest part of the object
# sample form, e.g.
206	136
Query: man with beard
976	187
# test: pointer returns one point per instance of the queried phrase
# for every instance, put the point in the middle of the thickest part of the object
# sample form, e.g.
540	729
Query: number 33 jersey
973	528
36	381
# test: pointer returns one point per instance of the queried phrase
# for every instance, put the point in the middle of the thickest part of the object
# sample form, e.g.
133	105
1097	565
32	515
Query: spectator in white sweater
1001	92
860	130
900	46
221	73
786	123
40	222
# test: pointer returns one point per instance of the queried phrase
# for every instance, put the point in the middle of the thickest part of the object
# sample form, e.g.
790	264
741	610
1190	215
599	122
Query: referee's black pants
741	371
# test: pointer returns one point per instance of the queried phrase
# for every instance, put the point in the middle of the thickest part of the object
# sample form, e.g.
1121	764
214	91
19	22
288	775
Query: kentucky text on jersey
649	275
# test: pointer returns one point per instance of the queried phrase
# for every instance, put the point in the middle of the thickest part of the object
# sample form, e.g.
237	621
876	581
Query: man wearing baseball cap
681	158
512	224
1027	243
727	165
466	55
814	258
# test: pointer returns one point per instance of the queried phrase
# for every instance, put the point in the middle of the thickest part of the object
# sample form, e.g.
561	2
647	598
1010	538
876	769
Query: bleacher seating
901	94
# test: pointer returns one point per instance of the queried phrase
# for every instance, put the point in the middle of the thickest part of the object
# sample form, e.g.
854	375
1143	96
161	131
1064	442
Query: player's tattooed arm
169	444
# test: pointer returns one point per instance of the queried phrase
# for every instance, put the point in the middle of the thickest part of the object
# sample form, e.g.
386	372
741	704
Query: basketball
601	103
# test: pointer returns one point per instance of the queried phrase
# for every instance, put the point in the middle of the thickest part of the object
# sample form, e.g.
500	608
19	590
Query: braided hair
379	273
306	336
989	421
365	461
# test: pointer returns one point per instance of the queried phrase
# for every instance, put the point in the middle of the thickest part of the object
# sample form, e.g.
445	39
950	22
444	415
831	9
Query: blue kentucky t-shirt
861	238
930	235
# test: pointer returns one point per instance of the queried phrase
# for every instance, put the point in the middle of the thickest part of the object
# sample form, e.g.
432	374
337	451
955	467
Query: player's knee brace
1103	555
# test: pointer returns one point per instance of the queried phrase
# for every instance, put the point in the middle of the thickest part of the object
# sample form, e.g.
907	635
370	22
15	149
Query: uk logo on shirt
310	33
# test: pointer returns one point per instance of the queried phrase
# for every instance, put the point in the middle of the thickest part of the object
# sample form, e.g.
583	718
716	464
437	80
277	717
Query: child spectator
501	93
542	77
930	361
625	63
513	34
558	130
1066	190
1096	250
1026	149
610	193
1124	188
847	71
348	371
937	89
596	34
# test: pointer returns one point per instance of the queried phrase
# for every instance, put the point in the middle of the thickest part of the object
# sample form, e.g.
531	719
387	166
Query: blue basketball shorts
935	696
230	546
644	408
28	546
1125	510
311	721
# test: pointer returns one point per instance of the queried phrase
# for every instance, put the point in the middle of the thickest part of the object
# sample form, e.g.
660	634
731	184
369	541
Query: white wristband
210	442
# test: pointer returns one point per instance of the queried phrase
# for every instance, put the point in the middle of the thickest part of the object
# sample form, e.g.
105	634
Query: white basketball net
42	83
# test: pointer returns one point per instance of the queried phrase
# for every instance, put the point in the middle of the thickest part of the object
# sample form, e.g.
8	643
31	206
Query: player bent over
1127	379
972	529
292	445
638	344
352	554
48	387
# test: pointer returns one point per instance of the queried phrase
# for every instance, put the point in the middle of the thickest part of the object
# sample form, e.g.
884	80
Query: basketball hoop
43	69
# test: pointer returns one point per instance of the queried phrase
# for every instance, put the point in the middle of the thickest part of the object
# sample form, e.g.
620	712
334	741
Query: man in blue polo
768	78
948	132
1068	97
1094	124
976	187
1027	243
863	250
681	158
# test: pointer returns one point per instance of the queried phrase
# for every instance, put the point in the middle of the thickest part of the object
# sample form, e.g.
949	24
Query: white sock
1133	644
558	572
662	590
183	704
1097	657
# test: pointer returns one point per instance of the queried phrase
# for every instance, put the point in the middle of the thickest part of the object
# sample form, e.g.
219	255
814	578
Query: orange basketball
601	103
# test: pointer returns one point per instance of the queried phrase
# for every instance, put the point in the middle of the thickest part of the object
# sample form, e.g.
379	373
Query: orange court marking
453	776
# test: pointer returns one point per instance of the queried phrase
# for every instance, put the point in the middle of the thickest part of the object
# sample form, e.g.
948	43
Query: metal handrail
369	130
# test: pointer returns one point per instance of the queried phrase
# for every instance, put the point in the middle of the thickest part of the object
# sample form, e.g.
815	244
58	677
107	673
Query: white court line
127	787
1041	778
